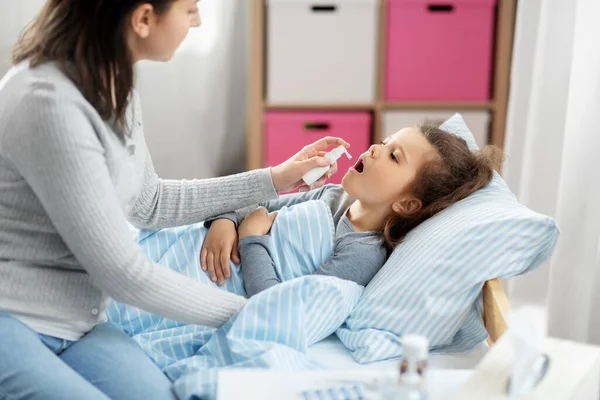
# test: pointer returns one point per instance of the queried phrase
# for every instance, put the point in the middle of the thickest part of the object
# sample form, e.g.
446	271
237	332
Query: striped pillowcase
431	285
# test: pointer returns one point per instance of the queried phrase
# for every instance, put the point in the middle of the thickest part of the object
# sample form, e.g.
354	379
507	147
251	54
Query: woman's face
384	174
156	37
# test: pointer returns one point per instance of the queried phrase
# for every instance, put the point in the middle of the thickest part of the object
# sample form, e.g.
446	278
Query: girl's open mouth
359	166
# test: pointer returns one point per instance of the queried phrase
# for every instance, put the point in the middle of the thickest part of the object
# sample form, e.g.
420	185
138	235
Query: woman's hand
288	175
258	223
220	245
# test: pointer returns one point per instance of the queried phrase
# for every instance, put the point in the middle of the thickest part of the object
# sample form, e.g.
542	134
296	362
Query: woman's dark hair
453	174
87	40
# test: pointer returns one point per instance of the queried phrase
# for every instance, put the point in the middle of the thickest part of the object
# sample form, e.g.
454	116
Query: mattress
332	354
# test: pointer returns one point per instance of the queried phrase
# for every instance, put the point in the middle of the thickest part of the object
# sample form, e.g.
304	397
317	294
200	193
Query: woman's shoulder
45	80
42	92
42	105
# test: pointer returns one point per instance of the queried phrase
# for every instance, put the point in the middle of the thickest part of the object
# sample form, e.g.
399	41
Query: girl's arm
354	259
221	244
287	200
258	269
357	265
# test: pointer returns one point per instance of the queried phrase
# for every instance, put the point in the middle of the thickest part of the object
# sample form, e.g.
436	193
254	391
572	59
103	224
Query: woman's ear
141	19
407	206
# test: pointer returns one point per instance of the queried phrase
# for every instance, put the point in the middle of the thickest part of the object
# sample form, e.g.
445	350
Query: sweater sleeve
166	203
258	268
55	148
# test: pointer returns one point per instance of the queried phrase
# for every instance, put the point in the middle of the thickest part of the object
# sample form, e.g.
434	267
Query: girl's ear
407	206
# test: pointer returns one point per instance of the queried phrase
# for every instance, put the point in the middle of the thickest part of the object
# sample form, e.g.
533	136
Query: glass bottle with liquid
412	374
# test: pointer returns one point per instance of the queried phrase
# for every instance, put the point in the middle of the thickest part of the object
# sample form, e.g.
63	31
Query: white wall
14	15
194	106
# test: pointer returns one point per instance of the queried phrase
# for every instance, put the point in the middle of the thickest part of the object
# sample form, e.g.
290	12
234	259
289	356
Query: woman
74	168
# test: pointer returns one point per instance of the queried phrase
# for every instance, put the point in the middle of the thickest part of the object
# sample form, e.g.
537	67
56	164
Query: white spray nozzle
336	153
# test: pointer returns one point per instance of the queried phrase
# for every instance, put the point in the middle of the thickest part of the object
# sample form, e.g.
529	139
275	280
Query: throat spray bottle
316	173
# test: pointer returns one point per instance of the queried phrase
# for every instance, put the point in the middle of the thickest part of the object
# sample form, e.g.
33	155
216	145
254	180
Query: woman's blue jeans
104	364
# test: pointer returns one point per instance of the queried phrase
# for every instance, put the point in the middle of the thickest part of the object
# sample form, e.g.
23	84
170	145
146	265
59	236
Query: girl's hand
287	176
220	245
258	223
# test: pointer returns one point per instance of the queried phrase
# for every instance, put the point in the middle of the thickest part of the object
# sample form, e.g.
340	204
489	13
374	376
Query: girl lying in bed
393	187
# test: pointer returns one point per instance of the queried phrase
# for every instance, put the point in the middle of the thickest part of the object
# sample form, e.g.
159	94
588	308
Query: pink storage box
286	133
439	50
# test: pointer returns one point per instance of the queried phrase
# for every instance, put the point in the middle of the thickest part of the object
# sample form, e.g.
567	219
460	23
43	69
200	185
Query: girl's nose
373	152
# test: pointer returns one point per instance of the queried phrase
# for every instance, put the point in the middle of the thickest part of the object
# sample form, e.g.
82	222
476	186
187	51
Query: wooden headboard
495	309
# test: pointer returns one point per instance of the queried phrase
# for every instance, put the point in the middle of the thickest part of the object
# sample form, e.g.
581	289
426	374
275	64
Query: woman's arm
165	203
55	148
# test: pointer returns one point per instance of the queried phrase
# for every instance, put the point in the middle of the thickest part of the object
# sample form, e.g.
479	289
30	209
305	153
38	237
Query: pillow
431	285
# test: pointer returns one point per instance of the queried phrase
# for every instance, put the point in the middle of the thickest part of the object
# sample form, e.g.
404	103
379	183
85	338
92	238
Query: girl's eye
392	155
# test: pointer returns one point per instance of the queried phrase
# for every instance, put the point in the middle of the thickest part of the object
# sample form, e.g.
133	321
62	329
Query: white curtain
553	147
193	106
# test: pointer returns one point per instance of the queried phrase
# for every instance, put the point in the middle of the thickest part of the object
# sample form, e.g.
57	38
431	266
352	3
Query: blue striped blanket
276	326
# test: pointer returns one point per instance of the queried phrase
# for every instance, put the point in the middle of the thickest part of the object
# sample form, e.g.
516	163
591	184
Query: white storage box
477	121
321	51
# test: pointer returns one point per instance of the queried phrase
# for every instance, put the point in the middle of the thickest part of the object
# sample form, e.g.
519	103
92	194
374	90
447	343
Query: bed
289	327
448	372
495	309
282	330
